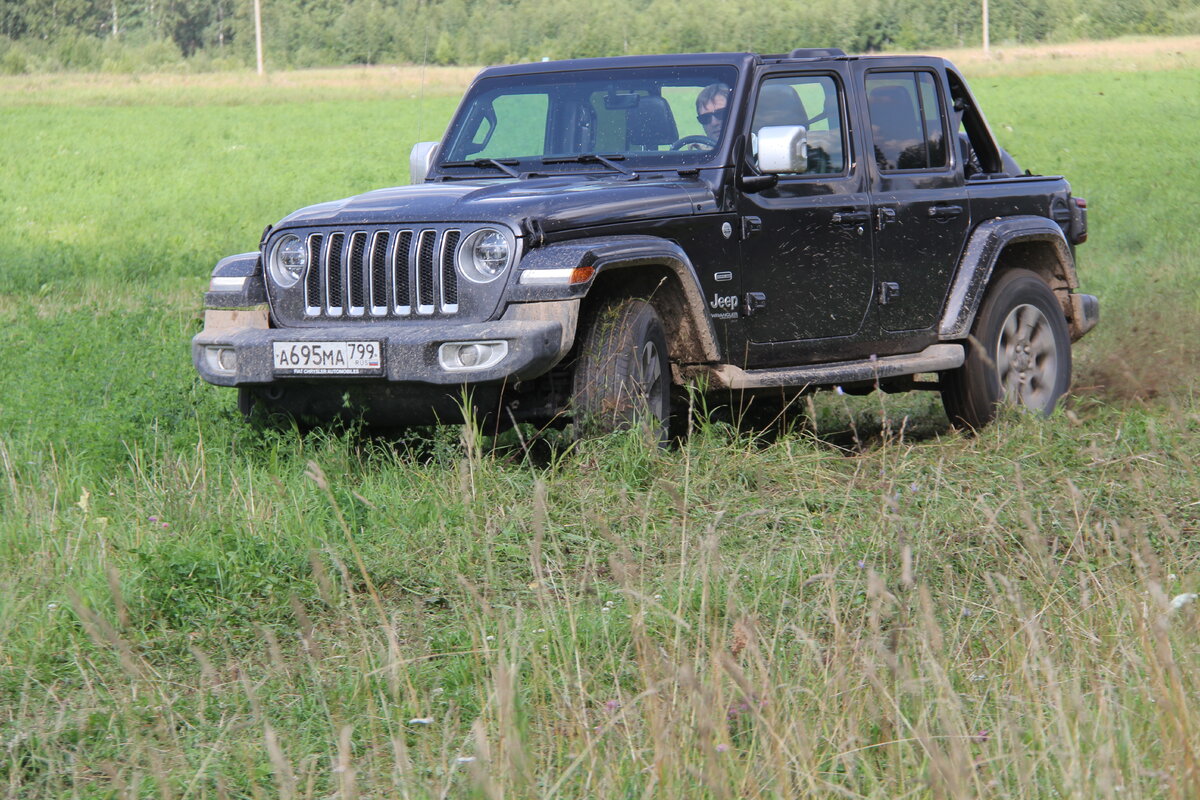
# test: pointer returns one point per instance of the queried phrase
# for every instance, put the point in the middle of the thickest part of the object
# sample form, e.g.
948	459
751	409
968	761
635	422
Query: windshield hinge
750	226
534	232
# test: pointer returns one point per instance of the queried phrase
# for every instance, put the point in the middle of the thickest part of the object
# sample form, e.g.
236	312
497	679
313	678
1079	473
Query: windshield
631	118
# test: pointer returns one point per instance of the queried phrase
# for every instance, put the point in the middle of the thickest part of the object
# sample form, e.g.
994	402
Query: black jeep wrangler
591	235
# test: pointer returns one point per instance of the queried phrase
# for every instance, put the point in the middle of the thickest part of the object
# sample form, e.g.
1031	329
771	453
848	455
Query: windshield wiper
593	158
504	166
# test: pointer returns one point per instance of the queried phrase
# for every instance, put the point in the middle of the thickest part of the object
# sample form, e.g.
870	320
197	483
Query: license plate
328	358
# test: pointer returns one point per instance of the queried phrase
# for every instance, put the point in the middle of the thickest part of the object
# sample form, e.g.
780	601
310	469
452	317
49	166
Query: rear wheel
1019	353
622	375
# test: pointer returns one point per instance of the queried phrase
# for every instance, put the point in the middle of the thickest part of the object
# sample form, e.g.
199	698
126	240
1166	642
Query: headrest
778	104
651	123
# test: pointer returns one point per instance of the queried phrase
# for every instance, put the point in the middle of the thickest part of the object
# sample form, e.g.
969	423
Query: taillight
1079	221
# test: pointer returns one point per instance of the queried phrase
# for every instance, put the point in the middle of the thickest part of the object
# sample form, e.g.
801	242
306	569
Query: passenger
711	107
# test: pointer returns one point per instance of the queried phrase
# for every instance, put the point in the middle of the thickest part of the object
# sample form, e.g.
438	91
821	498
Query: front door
918	199
807	241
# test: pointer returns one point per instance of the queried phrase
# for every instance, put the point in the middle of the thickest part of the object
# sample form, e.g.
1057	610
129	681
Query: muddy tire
1019	353
622	374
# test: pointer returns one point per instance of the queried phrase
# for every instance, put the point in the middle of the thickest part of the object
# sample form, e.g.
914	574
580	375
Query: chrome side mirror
420	161
782	149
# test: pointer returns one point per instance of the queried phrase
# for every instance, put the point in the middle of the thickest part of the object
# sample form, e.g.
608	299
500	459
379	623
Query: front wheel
622	375
1019	353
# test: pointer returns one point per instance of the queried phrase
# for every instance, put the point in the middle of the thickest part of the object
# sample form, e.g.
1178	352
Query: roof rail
817	52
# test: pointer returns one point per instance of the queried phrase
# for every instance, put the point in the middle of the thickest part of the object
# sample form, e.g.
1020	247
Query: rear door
919	203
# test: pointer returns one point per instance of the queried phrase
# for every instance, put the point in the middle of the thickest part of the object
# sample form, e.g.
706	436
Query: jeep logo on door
723	302
725	306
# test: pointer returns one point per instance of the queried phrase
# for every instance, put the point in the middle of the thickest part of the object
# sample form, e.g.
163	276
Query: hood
560	202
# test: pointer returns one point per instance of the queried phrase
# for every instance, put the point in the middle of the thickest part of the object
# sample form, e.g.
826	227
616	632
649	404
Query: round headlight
289	260
484	255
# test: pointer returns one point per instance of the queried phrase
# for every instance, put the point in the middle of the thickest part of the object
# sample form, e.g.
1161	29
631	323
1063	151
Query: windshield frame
602	72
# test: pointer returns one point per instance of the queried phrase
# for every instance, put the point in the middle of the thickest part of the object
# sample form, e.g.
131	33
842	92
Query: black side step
935	358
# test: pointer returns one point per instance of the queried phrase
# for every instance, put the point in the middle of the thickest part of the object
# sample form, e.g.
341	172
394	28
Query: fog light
221	359
461	356
470	355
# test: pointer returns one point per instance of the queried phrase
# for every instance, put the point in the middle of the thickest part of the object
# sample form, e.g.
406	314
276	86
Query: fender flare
545	274
979	259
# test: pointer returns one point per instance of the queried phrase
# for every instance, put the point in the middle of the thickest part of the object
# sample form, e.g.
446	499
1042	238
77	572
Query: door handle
753	302
945	211
851	217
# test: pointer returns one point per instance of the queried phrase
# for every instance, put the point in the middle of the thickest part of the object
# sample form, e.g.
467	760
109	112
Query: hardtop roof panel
624	62
740	60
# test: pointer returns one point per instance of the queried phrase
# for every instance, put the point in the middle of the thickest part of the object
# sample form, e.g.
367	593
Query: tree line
123	35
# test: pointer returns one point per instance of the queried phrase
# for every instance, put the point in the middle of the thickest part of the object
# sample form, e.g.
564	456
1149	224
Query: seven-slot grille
381	273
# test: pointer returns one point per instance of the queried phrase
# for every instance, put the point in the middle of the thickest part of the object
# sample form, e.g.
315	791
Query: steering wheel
694	139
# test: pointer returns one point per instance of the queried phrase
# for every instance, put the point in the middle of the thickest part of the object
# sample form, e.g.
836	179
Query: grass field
871	605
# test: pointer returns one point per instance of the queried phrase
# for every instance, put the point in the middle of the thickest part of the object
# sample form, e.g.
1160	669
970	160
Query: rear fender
1035	243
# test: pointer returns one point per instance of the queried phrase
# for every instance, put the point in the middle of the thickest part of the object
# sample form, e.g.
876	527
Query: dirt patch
1142	356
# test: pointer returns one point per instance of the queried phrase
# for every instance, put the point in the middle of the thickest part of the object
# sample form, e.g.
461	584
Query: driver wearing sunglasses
711	107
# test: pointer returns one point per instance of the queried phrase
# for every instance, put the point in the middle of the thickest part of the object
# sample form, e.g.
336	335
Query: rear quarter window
907	129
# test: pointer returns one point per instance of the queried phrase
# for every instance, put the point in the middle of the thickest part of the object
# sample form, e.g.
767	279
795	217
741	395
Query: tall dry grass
950	618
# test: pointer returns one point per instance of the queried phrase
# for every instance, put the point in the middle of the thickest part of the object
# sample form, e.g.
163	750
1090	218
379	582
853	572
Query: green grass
149	193
869	605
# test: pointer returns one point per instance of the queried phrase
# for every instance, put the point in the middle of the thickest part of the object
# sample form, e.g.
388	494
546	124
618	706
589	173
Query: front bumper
409	352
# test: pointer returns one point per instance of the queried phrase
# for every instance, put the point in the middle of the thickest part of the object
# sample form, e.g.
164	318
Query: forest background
125	36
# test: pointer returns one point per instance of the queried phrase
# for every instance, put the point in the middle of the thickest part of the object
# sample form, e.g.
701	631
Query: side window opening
931	118
906	121
979	153
811	101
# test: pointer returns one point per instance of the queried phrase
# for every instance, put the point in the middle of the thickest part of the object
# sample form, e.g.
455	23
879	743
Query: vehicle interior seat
650	124
578	135
896	129
778	104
